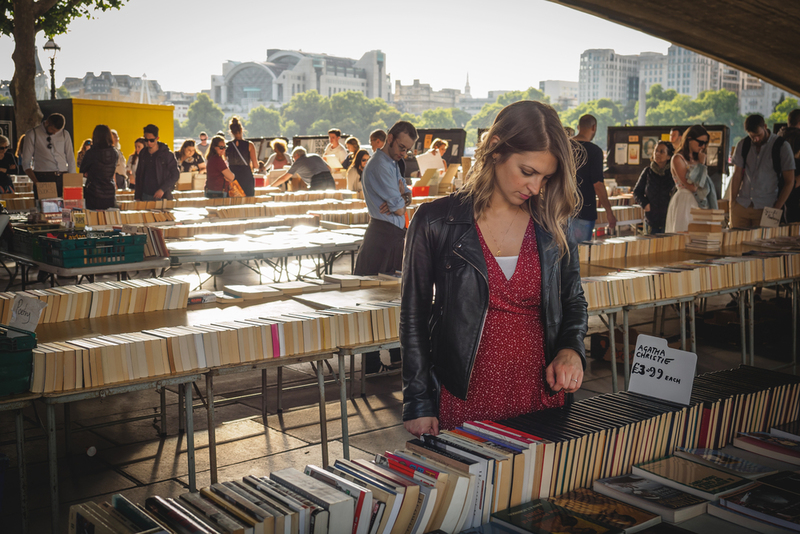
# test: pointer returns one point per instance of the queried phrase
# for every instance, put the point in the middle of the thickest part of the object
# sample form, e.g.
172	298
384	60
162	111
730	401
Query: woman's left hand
565	371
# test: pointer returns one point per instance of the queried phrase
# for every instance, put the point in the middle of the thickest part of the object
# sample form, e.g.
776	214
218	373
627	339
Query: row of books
687	278
115	216
705	229
606	435
329	282
349	216
112	359
272	209
621	213
102	299
237	226
312	196
19	203
622	247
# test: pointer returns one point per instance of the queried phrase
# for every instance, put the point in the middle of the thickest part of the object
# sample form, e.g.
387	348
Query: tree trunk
23	90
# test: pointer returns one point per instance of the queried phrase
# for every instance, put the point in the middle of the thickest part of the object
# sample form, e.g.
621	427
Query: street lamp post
52	48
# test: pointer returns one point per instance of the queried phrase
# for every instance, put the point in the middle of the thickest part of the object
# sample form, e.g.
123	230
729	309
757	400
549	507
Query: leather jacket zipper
483	320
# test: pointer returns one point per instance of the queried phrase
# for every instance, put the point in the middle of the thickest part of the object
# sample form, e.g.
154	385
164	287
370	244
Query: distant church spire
466	88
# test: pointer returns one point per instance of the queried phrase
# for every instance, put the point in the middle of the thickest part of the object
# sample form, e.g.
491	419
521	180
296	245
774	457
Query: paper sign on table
662	372
46	190
771	217
25	313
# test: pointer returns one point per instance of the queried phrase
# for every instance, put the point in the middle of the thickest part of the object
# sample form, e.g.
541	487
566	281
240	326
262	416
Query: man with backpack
763	175
791	135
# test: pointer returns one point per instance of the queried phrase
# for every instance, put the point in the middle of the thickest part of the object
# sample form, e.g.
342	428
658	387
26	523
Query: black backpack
776	156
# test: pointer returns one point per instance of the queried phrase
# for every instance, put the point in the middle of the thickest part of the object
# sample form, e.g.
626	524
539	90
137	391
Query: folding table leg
212	429
23	471
343	395
323	419
187	391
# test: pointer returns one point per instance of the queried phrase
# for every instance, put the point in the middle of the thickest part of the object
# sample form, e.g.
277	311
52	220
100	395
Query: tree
460	116
485	117
63	93
23	20
204	115
436	118
263	122
320	127
604	110
515	96
305	108
781	113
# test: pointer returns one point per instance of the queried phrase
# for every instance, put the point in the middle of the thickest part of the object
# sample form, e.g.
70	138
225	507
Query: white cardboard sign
25	313
662	372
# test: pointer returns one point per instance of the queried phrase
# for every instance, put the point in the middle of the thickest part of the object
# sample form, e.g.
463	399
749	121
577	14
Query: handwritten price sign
662	372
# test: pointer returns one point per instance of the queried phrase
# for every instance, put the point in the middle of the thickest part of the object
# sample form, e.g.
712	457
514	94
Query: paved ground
132	459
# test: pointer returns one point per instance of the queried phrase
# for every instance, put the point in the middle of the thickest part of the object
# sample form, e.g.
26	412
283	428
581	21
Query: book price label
662	372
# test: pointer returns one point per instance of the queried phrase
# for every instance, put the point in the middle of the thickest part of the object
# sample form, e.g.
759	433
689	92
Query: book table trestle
17	403
51	399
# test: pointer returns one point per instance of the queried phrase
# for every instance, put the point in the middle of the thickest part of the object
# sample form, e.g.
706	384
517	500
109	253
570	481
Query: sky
502	44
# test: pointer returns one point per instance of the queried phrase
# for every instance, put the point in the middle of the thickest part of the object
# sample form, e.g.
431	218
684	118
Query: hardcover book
605	510
725	462
783	449
671	504
691	477
543	517
767	503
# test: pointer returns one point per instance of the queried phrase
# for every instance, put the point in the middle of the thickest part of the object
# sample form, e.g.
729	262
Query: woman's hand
701	157
423	425
565	371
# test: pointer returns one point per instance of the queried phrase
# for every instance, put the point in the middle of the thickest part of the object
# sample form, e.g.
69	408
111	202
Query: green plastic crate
16	360
26	239
93	250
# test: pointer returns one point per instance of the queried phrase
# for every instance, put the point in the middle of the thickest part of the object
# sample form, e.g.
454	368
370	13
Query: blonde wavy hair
529	126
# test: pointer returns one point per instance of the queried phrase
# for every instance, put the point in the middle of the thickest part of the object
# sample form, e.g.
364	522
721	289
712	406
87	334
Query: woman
120	171
352	145
133	162
218	175
8	165
653	189
242	158
440	146
279	158
99	167
87	144
508	320
189	159
356	170
689	153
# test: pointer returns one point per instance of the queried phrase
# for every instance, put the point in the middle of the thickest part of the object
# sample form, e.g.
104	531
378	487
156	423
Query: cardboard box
72	179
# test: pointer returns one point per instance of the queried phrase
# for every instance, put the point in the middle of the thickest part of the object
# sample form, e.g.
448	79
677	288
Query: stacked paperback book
705	229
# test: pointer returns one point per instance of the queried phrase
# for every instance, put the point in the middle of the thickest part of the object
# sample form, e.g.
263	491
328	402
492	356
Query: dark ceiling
761	37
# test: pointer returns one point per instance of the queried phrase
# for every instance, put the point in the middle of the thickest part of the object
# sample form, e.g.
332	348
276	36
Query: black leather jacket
439	337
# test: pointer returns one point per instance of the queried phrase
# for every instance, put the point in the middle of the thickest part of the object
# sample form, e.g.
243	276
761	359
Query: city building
116	87
418	97
41	83
181	102
245	85
690	73
474	105
560	92
652	69
605	74
761	97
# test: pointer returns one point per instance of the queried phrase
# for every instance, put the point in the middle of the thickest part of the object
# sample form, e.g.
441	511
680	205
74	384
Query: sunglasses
220	146
149	140
4	147
49	144
699	142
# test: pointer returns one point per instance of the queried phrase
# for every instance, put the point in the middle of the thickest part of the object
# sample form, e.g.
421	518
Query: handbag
234	189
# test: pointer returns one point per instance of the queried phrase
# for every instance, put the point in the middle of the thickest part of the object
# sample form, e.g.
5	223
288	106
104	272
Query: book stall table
362	349
264	365
24	264
17	403
51	399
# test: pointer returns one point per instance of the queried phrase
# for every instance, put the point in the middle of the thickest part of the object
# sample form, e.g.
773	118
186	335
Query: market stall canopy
758	37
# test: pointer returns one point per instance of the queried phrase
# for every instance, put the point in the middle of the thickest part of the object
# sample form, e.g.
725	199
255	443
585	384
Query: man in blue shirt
387	196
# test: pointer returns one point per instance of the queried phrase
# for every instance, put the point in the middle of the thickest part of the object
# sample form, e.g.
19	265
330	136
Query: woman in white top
356	170
689	153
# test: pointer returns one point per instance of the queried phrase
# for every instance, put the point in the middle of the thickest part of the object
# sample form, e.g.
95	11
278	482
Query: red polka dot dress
508	376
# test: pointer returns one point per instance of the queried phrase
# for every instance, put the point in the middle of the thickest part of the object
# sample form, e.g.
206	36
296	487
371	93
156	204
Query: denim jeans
582	230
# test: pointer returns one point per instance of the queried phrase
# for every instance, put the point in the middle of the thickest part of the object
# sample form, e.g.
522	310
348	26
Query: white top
508	264
55	155
339	152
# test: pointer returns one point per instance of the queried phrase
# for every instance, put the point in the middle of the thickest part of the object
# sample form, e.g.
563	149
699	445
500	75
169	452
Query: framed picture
648	146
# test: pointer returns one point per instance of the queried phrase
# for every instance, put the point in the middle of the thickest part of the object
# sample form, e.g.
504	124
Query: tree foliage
23	20
606	112
436	118
263	122
204	115
515	96
781	113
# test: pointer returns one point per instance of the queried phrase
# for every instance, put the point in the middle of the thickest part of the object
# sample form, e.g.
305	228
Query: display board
314	144
456	138
263	150
630	147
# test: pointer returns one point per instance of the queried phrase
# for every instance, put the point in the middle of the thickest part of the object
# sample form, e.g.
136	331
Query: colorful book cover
767	503
605	510
785	446
726	462
542	517
694	477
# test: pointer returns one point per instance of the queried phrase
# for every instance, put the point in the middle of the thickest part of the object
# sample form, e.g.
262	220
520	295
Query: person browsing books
356	170
502	334
279	158
242	159
311	168
157	171
654	186
689	172
99	166
218	175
